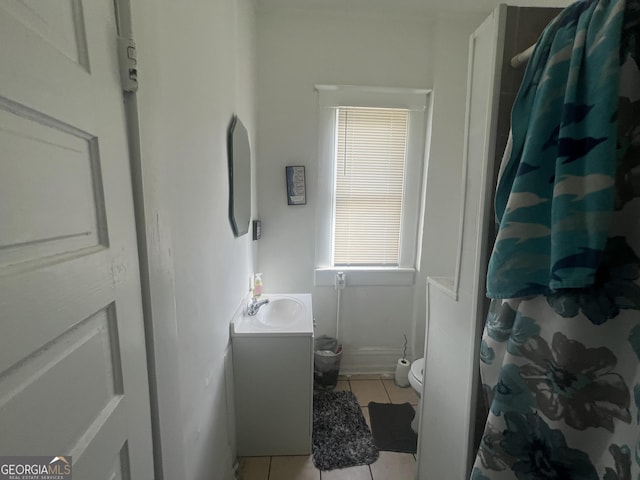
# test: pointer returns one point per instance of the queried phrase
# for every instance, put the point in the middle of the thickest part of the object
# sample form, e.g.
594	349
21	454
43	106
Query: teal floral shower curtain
560	353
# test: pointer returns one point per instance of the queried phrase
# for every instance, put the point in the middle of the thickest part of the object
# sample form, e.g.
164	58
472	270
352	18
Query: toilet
415	380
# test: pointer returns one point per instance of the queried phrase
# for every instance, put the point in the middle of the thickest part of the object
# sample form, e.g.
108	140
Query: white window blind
371	151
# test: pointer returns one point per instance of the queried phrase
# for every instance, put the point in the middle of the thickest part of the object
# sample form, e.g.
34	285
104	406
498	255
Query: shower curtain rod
523	57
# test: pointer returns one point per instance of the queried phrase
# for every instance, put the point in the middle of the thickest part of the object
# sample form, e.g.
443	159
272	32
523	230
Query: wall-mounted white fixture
341	281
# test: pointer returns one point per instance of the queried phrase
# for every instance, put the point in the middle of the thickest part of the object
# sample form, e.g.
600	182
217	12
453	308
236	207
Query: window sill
366	276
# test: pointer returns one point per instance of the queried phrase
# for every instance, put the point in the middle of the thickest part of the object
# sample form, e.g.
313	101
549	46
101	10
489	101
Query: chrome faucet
254	305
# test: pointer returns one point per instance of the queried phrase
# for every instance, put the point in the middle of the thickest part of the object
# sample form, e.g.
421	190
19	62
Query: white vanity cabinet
273	383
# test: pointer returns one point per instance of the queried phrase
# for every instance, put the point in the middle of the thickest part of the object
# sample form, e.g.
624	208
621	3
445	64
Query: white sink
285	314
281	312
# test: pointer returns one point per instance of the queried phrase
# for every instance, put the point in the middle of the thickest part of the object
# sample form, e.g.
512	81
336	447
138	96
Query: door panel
73	378
84	362
42	219
60	23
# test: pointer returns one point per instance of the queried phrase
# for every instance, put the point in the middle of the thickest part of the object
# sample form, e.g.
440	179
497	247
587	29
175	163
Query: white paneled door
73	377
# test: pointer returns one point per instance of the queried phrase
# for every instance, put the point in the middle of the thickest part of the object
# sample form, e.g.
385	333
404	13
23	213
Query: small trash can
326	362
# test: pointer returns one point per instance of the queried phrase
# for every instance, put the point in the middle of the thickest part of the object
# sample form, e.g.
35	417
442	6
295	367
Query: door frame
160	323
498	23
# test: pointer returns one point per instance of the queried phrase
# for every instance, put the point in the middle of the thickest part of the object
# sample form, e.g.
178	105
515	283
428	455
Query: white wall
452	351
196	68
296	50
447	390
444	168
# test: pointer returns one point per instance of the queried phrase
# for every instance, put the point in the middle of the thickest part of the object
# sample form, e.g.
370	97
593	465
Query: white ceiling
407	6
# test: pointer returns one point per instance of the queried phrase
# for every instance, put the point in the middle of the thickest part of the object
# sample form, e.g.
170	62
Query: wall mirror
239	157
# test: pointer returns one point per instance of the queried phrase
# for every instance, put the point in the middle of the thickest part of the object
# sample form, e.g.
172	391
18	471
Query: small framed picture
296	186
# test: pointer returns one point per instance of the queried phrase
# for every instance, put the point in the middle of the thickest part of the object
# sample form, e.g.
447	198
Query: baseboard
369	360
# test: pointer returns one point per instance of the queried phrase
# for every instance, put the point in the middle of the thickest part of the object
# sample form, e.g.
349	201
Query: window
372	144
369	185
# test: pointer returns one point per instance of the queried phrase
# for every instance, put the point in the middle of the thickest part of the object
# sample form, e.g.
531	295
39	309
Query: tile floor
390	465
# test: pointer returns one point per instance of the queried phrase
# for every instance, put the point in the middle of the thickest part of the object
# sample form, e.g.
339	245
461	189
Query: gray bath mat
341	437
391	426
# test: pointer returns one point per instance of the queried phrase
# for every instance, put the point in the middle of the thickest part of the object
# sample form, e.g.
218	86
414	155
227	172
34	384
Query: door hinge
128	64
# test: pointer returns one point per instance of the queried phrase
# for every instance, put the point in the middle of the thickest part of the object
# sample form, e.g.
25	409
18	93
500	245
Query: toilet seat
417	371
416	375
